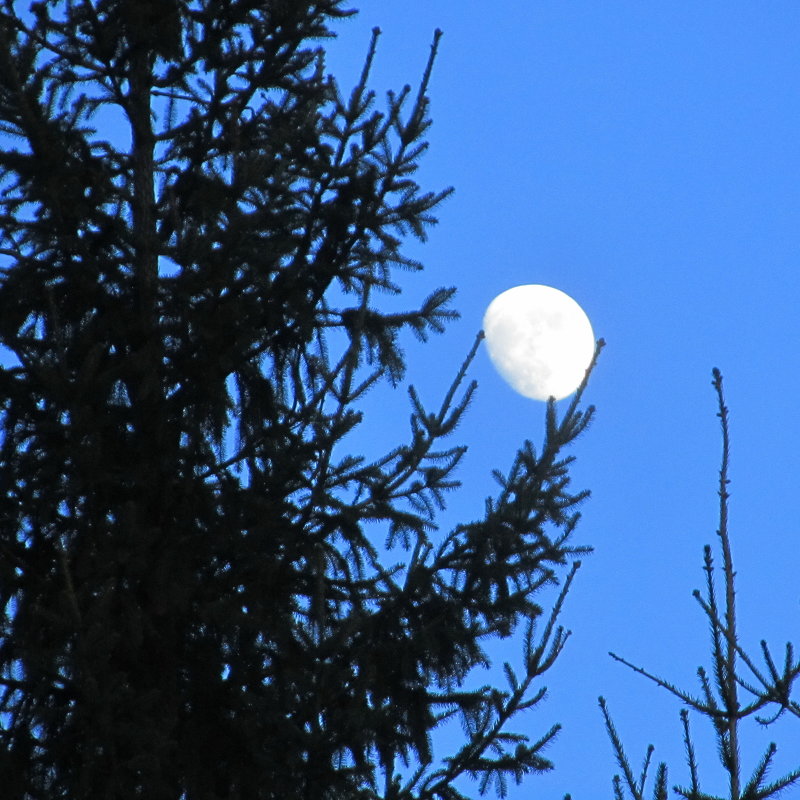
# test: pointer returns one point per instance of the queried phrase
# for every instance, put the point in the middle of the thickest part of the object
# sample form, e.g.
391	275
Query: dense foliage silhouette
207	590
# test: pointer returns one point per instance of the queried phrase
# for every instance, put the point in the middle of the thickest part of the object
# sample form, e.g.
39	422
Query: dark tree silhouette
729	694
206	592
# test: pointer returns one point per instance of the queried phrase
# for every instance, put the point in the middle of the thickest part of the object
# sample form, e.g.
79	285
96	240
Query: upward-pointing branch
729	687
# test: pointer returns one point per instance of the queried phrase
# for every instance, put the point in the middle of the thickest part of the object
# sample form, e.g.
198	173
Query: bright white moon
540	340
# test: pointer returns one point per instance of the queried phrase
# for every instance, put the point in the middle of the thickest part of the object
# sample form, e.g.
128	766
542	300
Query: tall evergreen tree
204	592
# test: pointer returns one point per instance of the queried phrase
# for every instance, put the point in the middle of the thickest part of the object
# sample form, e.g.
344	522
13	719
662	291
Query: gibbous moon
540	340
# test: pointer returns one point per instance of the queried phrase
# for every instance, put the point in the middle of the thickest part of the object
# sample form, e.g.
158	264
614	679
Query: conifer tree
729	695
206	592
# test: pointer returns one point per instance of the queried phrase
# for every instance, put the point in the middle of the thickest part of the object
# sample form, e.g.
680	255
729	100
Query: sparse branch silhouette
719	700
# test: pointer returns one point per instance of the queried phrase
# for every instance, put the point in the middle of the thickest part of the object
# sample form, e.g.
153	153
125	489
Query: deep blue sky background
643	157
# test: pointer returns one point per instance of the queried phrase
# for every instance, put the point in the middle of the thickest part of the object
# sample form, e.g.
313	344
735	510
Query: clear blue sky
644	157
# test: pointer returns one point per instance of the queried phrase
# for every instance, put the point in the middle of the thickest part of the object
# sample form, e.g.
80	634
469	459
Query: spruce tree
206	591
733	691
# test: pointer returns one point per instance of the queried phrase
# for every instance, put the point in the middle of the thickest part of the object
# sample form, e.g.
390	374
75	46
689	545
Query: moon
539	340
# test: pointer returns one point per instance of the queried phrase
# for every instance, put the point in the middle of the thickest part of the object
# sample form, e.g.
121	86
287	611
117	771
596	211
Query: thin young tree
207	591
729	693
